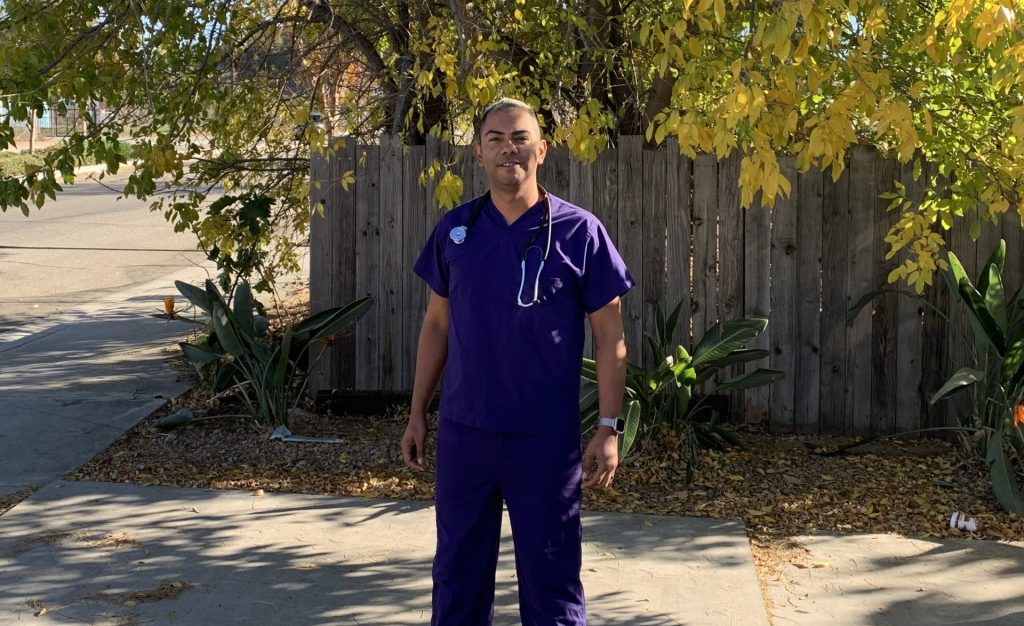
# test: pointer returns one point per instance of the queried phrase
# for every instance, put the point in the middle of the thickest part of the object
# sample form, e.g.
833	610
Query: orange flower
1018	415
169	307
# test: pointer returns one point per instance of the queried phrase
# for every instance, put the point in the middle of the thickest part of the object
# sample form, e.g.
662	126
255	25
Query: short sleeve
605	275
431	265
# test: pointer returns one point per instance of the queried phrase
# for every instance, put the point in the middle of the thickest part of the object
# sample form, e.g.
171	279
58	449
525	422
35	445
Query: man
512	276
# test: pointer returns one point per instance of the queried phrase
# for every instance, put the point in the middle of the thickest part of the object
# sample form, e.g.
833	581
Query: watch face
620	425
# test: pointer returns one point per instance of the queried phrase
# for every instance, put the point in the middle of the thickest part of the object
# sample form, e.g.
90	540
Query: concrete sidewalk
71	385
105	553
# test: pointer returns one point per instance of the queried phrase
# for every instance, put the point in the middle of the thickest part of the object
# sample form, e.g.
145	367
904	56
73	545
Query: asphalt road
82	248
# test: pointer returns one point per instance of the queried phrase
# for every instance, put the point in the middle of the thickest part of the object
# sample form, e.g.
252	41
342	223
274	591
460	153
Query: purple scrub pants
538	476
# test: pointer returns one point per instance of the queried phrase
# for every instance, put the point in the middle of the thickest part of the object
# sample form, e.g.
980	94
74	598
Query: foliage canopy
229	87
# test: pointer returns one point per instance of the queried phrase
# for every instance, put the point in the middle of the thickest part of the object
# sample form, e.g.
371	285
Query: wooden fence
679	225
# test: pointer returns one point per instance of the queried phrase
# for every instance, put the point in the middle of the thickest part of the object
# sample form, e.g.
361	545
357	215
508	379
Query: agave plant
266	374
665	393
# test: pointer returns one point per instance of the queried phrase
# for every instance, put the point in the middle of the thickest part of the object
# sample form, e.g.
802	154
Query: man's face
510	149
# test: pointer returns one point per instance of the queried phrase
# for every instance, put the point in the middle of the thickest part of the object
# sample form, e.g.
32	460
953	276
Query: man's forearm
610	363
431	353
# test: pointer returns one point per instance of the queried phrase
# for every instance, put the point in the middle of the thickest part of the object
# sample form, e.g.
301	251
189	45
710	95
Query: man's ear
542	151
477	154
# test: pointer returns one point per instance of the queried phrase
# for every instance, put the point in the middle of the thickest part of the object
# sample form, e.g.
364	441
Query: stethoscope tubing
458	235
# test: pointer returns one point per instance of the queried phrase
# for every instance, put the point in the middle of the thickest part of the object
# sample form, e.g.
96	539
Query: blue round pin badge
458	234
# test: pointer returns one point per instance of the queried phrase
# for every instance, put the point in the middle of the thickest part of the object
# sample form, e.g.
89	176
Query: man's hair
503	104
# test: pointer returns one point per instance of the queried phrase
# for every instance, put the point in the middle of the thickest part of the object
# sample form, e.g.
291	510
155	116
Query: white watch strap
610	422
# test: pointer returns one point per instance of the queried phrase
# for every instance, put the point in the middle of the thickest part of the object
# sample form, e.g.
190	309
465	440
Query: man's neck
512	203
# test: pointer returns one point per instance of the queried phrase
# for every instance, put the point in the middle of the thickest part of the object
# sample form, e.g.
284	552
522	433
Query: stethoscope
458	235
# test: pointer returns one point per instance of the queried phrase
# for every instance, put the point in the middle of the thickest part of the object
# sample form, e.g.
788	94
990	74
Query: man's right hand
414	445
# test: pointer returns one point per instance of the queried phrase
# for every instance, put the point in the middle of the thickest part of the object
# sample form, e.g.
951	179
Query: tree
223	85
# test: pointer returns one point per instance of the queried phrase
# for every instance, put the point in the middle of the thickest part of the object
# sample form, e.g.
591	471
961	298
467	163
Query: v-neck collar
531	218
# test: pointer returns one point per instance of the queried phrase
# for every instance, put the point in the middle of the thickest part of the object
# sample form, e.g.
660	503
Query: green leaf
722	339
588	394
195	295
632	417
332	321
199	355
740	356
243	309
961	380
673	321
757	378
991	287
1003	476
174	420
224	326
1012	367
589	370
976	306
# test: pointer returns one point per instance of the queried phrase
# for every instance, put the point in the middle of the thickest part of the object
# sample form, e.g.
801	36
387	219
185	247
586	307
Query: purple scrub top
512	368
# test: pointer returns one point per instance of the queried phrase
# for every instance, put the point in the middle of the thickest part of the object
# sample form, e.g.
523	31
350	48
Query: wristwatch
616	423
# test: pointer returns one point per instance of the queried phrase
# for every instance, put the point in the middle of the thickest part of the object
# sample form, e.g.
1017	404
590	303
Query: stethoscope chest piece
458	234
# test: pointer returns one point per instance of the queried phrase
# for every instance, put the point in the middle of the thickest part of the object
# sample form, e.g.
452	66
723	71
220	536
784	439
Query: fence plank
834	288
961	336
654	241
731	249
321	252
342	220
392	304
414	236
554	173
806	406
785	287
884	388
861	241
908	337
705	245
630	237
679	181
757	264
368	254
1010	231
935	366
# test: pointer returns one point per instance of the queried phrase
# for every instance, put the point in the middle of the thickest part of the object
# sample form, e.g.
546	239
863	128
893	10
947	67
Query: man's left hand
601	458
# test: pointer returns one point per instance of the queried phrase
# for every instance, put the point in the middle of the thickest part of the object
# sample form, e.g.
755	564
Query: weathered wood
342	220
961	335
320	260
554	173
908	337
392	298
885	383
414	236
654	242
835	277
630	237
731	249
368	254
861	251
784	297
935	366
679	181
705	245
1010	231
757	263
674	219
807	402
